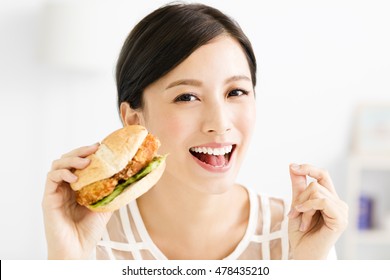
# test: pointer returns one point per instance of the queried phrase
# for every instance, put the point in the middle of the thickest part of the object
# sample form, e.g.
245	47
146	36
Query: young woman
187	72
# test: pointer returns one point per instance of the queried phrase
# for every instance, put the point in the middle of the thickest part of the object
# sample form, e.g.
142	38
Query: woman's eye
187	97
237	92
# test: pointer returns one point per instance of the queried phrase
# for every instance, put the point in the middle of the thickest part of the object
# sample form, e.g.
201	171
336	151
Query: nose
216	120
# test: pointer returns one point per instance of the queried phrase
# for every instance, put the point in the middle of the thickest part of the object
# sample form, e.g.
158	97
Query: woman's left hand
317	217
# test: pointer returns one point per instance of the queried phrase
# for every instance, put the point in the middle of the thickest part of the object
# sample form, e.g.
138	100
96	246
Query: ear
129	116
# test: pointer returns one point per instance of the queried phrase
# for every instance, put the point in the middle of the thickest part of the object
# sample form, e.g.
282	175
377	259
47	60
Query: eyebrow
237	78
197	83
189	82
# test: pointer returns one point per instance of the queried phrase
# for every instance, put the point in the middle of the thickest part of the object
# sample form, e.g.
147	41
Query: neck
183	215
187	206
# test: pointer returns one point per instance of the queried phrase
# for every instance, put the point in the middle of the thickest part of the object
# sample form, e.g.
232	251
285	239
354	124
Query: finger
332	213
321	175
313	190
54	178
70	162
306	220
82	151
298	182
312	204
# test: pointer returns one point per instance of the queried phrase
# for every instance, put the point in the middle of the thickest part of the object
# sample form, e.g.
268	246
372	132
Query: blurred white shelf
373	236
357	164
376	162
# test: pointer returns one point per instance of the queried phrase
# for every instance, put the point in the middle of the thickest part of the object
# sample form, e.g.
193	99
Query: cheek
252	117
175	124
170	127
246	119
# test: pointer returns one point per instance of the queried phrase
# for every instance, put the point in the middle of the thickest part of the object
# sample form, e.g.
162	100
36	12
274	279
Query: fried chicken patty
100	189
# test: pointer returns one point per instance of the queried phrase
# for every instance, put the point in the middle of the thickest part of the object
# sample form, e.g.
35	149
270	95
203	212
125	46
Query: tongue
212	160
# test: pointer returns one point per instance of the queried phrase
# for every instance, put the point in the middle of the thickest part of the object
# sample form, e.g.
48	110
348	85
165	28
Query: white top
127	238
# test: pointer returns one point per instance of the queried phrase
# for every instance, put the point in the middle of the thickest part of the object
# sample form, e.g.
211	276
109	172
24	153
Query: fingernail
302	227
295	166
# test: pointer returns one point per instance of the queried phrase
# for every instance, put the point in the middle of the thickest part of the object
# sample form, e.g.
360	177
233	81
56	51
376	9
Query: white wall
317	60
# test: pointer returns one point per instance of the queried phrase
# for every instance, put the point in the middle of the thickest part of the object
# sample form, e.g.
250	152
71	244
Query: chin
213	185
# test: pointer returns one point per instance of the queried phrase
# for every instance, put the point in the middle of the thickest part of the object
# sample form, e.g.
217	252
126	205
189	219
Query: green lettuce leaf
136	177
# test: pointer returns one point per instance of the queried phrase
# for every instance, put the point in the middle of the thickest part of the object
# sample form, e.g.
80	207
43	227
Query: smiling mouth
216	157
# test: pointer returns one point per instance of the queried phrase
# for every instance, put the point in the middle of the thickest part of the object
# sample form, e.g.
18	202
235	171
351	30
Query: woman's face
203	112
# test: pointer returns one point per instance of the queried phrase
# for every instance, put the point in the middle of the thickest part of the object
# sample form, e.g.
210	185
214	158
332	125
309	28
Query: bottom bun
133	191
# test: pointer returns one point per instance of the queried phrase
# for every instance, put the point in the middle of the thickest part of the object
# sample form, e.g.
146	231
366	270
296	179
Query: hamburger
124	167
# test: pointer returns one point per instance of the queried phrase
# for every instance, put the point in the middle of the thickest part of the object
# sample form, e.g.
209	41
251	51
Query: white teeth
212	151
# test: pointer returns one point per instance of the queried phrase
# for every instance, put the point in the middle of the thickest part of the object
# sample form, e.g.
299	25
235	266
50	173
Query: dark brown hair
166	37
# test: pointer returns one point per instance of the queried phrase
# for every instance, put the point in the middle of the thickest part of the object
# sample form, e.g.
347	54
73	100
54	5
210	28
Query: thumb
298	182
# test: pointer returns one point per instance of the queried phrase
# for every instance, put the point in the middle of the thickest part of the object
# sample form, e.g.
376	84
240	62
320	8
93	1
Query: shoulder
271	225
278	208
271	210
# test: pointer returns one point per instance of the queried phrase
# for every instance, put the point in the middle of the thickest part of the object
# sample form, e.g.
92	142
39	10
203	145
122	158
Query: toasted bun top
113	154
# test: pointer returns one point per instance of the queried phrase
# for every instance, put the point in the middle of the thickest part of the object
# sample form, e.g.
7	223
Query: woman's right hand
72	231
